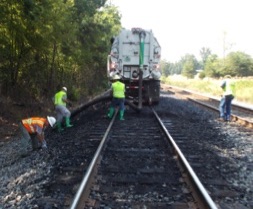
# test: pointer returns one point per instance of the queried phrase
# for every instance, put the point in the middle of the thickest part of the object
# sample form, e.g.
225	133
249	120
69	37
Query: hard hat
51	120
64	88
116	77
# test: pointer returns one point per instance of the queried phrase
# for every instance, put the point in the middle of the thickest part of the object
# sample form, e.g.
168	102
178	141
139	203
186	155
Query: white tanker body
135	56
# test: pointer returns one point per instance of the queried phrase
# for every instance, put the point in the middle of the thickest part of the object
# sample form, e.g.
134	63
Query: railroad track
241	113
211	154
219	153
138	165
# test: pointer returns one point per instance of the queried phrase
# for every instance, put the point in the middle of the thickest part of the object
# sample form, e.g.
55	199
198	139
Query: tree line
47	44
50	43
236	64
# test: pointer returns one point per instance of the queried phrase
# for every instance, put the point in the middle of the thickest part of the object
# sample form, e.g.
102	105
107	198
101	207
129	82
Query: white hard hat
116	77
51	120
64	88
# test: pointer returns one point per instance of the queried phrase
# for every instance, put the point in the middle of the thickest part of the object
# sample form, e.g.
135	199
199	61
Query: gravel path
24	175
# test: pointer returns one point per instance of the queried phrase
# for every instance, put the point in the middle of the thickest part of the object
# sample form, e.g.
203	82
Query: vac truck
135	55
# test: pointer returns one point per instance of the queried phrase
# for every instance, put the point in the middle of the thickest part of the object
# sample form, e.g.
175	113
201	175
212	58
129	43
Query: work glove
44	144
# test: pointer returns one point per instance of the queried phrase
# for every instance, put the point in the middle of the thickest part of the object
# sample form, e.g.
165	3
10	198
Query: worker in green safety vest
118	93
228	88
60	102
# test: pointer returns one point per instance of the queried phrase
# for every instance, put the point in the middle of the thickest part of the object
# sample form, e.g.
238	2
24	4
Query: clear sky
185	26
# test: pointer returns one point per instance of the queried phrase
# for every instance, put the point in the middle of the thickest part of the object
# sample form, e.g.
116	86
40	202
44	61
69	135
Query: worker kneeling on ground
33	129
118	93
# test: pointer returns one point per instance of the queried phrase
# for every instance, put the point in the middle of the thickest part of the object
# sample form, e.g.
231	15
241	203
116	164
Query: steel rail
235	104
79	199
240	120
208	203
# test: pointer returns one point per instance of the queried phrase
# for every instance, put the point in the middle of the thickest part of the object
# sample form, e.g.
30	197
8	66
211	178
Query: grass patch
243	86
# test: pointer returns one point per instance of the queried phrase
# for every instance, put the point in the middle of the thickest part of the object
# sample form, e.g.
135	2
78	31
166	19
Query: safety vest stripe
30	122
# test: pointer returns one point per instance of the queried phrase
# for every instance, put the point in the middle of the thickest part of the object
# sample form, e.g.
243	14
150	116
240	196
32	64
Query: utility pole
224	44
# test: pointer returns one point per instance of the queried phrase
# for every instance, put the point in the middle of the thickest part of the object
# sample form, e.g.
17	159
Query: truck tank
135	55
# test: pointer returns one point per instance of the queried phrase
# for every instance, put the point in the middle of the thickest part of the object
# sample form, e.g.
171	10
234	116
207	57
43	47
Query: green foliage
95	37
238	64
235	64
204	53
189	66
202	75
50	43
165	67
212	67
170	68
88	7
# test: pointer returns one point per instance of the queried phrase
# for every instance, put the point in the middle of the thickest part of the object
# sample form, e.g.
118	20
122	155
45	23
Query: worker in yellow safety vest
118	93
60	102
228	87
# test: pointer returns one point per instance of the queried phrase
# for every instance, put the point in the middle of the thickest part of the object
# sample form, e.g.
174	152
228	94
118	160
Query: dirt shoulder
8	128
11	113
